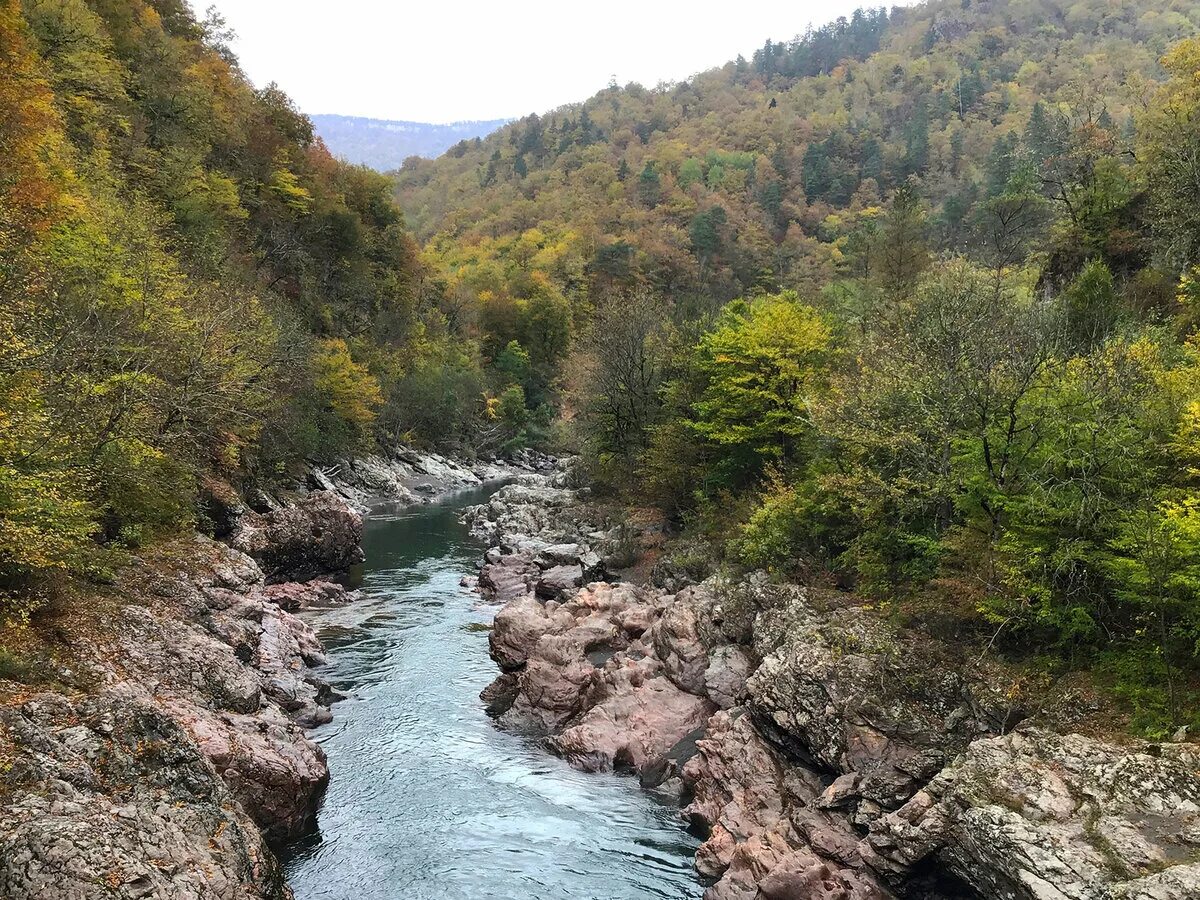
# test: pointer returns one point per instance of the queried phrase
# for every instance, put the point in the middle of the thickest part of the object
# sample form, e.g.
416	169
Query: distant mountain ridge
384	144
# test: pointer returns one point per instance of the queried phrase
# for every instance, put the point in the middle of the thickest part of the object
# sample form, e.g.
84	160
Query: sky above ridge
449	61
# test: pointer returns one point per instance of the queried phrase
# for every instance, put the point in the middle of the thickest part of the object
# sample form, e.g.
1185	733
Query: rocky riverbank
165	748
177	748
406	476
820	751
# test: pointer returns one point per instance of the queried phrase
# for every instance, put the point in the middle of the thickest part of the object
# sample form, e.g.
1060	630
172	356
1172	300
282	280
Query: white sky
446	60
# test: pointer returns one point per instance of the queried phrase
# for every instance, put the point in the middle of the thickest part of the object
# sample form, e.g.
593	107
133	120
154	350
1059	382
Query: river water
428	799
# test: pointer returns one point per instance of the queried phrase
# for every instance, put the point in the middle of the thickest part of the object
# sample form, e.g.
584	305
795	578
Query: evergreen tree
650	185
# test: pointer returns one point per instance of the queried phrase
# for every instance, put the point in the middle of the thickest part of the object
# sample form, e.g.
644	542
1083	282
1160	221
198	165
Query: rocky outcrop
318	535
406	475
189	751
840	687
109	797
1035	815
821	752
234	669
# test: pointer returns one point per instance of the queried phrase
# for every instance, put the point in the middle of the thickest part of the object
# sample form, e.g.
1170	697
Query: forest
906	305
191	285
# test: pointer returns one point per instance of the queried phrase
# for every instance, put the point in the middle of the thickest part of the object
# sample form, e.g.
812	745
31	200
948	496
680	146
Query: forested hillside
189	284
906	305
383	144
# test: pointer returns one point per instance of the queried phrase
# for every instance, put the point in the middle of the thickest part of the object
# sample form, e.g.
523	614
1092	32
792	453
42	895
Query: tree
760	368
650	185
705	231
1169	133
1092	306
351	392
618	376
916	139
901	251
939	424
1012	219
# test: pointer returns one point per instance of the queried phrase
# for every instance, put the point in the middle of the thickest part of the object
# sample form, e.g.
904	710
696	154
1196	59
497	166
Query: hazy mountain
384	144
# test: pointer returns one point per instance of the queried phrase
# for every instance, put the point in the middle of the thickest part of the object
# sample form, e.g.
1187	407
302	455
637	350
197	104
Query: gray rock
109	797
559	582
725	678
843	688
1035	815
558	555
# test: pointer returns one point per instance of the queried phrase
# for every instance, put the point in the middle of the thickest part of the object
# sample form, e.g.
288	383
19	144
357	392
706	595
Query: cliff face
822	752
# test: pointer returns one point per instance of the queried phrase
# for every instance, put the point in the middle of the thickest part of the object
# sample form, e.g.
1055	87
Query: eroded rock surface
1035	815
191	749
110	797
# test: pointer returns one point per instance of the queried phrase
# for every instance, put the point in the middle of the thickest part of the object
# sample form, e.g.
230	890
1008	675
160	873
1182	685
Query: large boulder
636	724
841	688
318	536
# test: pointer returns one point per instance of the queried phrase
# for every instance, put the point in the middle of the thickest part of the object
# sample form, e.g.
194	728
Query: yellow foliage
351	391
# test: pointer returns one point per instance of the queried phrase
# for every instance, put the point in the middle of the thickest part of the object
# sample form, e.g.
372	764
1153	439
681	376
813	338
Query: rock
822	752
552	687
278	778
839	794
558	555
725	677
1035	815
293	596
499	696
840	687
109	797
316	537
515	631
677	644
740	788
559	582
764	840
634	727
508	577
203	645
405	475
804	875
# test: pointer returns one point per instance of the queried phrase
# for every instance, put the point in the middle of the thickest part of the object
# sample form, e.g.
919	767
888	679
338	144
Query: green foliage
351	392
1092	305
994	395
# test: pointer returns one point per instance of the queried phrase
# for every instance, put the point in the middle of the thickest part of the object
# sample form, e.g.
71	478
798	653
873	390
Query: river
428	799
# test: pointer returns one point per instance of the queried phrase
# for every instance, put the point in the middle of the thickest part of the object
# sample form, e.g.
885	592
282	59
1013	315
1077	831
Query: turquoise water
428	799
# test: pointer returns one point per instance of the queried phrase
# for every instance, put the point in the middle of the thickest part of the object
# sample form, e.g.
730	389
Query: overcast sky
446	60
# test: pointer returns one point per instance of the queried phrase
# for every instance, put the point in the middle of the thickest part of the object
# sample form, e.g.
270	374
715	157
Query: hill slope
755	173
384	144
189	283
